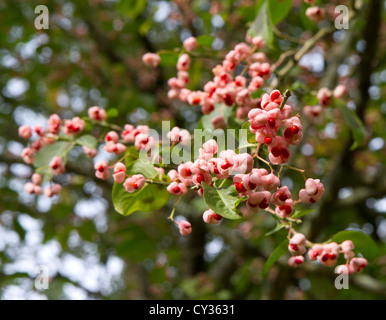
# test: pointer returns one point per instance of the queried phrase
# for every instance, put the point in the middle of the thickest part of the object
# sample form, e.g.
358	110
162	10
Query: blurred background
91	55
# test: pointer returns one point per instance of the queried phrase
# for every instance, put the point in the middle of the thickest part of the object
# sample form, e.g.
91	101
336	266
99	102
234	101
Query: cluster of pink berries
325	99
326	254
71	127
45	137
35	188
254	183
225	87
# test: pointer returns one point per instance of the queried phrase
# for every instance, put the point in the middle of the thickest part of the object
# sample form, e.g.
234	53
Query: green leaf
144	167
364	244
131	8
281	250
112	113
299	214
278	227
131	154
354	123
278	10
150	198
257	94
44	156
205	40
262	25
222	201
240	200
88	140
250	136
168	58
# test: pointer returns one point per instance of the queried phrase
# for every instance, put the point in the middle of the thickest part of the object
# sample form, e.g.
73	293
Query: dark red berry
272	122
227	99
288	133
252	186
276	151
283	197
217	216
285	153
263	204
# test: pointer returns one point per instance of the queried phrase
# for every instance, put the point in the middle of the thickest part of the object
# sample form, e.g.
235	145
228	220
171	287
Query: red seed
263	204
196	101
135	185
288	133
276	151
240	187
252	205
217	216
226	165
283	197
200	177
288	209
298	261
295	129
256	128
275	95
252	186
285	153
176	189
294	247
227	99
268	140
223	77
272	122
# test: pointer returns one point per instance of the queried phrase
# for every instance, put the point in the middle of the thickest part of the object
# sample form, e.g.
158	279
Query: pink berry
102	171
119	172
25	132
190	44
185	227
36	178
54	123
211	217
151	59
340	91
134	183
97	113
